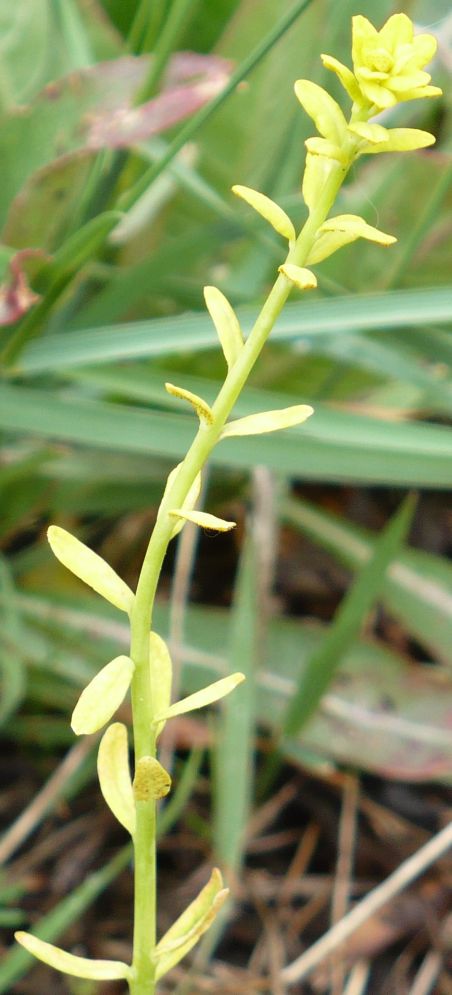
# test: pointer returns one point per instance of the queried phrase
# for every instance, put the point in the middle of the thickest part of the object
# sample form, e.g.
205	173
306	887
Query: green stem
143	982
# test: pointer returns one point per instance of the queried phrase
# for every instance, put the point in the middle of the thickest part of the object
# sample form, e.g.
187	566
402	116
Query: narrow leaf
348	621
267	208
79	967
226	323
89	567
203	519
299	276
104	694
203	410
151	780
268	421
190	926
114	775
204	697
161	675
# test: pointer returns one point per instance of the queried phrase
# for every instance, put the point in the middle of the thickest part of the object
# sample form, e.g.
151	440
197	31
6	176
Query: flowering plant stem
386	64
144	740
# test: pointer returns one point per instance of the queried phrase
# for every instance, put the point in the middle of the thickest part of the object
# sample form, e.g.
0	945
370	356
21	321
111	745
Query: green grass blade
418	586
348	621
332	445
300	321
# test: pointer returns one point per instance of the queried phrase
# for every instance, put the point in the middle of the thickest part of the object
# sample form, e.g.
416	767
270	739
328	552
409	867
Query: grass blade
300	321
347	622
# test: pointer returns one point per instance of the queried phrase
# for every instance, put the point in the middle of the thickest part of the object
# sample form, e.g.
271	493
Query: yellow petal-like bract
226	324
342	230
201	407
190	500
103	695
324	111
214	692
301	277
151	780
161	670
203	519
190	926
267	208
268	421
114	775
79	967
89	567
317	172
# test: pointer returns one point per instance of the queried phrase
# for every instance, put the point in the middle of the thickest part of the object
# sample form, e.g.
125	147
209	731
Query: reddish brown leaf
16	295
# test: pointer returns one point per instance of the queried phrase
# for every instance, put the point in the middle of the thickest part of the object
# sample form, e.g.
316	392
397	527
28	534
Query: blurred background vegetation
115	211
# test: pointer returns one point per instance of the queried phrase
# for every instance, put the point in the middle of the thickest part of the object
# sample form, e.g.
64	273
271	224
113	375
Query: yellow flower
389	64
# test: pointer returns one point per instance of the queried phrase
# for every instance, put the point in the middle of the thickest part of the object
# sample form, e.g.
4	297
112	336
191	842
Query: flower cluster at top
388	68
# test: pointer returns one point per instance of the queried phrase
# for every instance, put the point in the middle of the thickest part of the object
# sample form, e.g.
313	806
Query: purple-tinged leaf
16	295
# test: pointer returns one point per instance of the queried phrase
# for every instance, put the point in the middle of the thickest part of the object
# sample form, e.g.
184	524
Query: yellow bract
267	208
79	967
190	500
202	698
191	925
104	694
324	111
379	139
389	63
203	519
268	421
89	567
151	780
226	323
114	775
161	670
201	407
340	231
301	277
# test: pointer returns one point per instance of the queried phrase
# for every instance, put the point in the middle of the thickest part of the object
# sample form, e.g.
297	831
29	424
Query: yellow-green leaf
203	519
267	208
161	675
340	231
79	967
104	694
203	410
299	276
204	697
226	323
323	109
268	421
191	498
151	780
190	926
114	775
89	567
